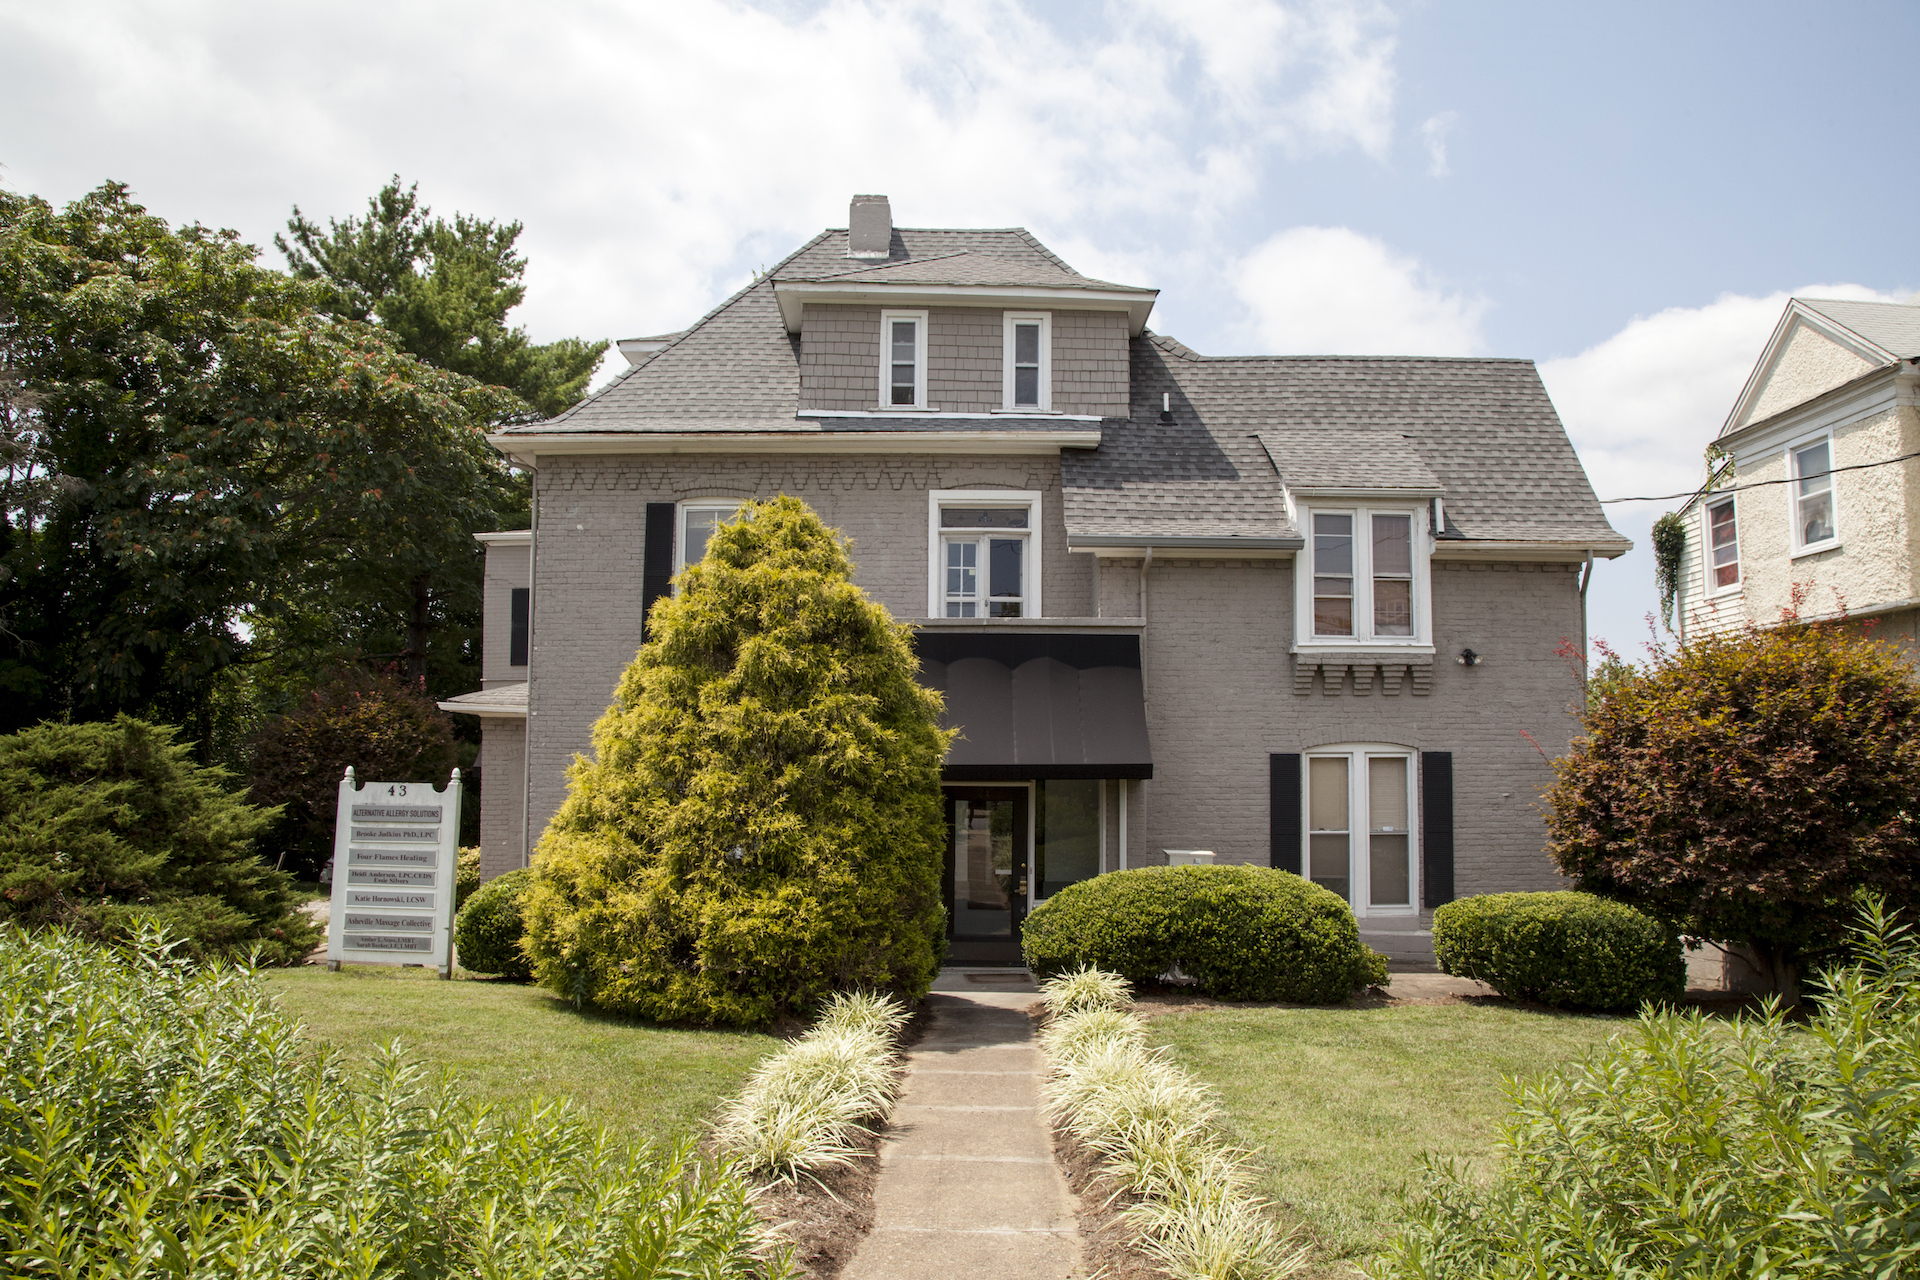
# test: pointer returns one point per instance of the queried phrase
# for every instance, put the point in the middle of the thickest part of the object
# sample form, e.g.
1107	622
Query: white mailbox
396	850
1189	857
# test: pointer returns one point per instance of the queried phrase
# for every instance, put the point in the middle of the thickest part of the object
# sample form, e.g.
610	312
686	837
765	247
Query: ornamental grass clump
1694	1148
760	824
806	1107
1085	988
1158	1137
159	1117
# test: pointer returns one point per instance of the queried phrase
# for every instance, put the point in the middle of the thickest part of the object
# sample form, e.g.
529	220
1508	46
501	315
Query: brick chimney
869	227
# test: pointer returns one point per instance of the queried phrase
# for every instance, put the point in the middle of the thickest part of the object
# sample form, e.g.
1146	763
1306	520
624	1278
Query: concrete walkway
968	1185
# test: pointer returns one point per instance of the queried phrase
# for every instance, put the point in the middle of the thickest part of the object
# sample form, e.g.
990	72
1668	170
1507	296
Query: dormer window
903	359
1365	578
1028	362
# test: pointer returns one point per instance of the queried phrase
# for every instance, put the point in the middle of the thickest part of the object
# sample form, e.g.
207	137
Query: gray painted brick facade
503	771
508	567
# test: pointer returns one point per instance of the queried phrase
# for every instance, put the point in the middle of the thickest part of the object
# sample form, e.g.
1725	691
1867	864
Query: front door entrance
986	874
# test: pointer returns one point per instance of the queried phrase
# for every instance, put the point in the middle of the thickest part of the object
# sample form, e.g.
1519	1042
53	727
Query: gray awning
1058	705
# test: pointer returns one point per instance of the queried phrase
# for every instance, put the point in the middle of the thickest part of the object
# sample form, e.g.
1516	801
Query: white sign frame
396	853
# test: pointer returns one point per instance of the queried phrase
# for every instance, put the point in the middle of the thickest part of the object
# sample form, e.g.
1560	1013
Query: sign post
396	848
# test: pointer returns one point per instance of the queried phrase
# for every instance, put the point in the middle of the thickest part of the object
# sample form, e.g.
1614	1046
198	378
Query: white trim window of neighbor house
1027	362
1814	524
1371	587
903	359
1359	829
1723	546
986	554
698	520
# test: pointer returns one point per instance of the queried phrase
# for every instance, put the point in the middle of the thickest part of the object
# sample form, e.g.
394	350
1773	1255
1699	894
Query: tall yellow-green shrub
760	824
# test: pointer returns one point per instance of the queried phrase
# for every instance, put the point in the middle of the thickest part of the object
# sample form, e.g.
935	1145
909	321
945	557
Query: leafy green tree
104	826
1745	786
443	290
382	726
198	446
760	826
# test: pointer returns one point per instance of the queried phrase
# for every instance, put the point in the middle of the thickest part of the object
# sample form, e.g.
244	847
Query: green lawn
510	1043
1339	1104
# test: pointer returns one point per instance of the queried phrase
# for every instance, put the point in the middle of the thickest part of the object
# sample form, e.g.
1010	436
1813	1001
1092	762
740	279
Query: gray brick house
1307	612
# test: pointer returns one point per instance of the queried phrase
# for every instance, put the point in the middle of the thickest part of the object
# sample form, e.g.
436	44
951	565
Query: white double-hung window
1723	546
1815	527
986	554
1027	362
903	359
1365	576
698	520
1359	826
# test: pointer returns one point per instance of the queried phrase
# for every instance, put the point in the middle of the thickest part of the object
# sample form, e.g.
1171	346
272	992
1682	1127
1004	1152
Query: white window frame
1363	637
730	505
1009	321
1793	495
1359	833
1032	604
885	393
1706	546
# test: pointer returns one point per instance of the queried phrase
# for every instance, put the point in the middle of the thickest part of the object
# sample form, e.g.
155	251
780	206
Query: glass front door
986	873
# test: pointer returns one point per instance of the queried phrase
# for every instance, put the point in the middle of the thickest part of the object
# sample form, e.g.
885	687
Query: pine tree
760	825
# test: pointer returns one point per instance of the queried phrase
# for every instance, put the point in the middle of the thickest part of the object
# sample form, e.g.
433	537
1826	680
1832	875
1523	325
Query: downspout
1586	576
1126	784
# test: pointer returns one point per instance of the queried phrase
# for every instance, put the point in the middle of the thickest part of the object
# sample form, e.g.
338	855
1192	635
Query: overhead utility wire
1761	484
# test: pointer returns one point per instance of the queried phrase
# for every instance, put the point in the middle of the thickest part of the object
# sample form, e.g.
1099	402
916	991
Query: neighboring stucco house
1306	612
1821	483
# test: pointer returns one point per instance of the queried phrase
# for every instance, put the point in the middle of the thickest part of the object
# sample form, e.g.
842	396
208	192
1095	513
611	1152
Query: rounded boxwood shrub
1240	932
1565	949
490	927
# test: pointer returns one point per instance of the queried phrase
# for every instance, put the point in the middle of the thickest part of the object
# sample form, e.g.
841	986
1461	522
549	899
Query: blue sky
1625	193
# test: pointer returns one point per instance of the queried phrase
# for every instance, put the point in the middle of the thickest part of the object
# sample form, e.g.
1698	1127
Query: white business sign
396	850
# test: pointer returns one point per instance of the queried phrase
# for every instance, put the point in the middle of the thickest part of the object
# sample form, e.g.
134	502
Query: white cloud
1331	290
1434	133
1642	406
659	152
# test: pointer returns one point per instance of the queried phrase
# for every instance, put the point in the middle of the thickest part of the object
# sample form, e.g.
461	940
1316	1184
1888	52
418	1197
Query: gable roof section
1484	431
1892	327
1879	333
1358	460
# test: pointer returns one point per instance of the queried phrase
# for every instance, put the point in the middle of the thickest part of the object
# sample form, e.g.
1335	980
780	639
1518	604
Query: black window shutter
1283	790
517	635
656	561
1436	825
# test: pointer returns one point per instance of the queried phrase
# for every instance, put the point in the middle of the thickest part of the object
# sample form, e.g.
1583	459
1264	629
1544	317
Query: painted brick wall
503	758
1220	699
507	567
592	517
840	359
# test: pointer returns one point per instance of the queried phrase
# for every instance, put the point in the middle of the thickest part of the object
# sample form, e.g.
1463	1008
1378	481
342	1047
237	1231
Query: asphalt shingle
1891	326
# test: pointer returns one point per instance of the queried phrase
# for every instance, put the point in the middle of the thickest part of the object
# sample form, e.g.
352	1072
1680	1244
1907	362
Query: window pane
983	517
1389	877
1005	556
1026	344
1332	616
962	569
1026	386
903	394
1387	794
1332	544
1327	793
1327	863
1816	518
903	341
1392	607
1068	823
696	526
1811	465
1392	545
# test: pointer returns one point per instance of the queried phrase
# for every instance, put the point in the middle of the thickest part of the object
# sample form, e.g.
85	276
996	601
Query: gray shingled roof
1484	428
1356	458
966	267
1891	326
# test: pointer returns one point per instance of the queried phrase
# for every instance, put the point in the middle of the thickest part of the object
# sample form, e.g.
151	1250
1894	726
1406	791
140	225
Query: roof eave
1562	551
793	296
1180	542
524	449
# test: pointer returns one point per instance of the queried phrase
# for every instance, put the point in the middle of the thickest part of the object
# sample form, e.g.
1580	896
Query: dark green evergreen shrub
1567	949
490	927
1688	1148
163	1118
760	824
106	825
387	729
1240	932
